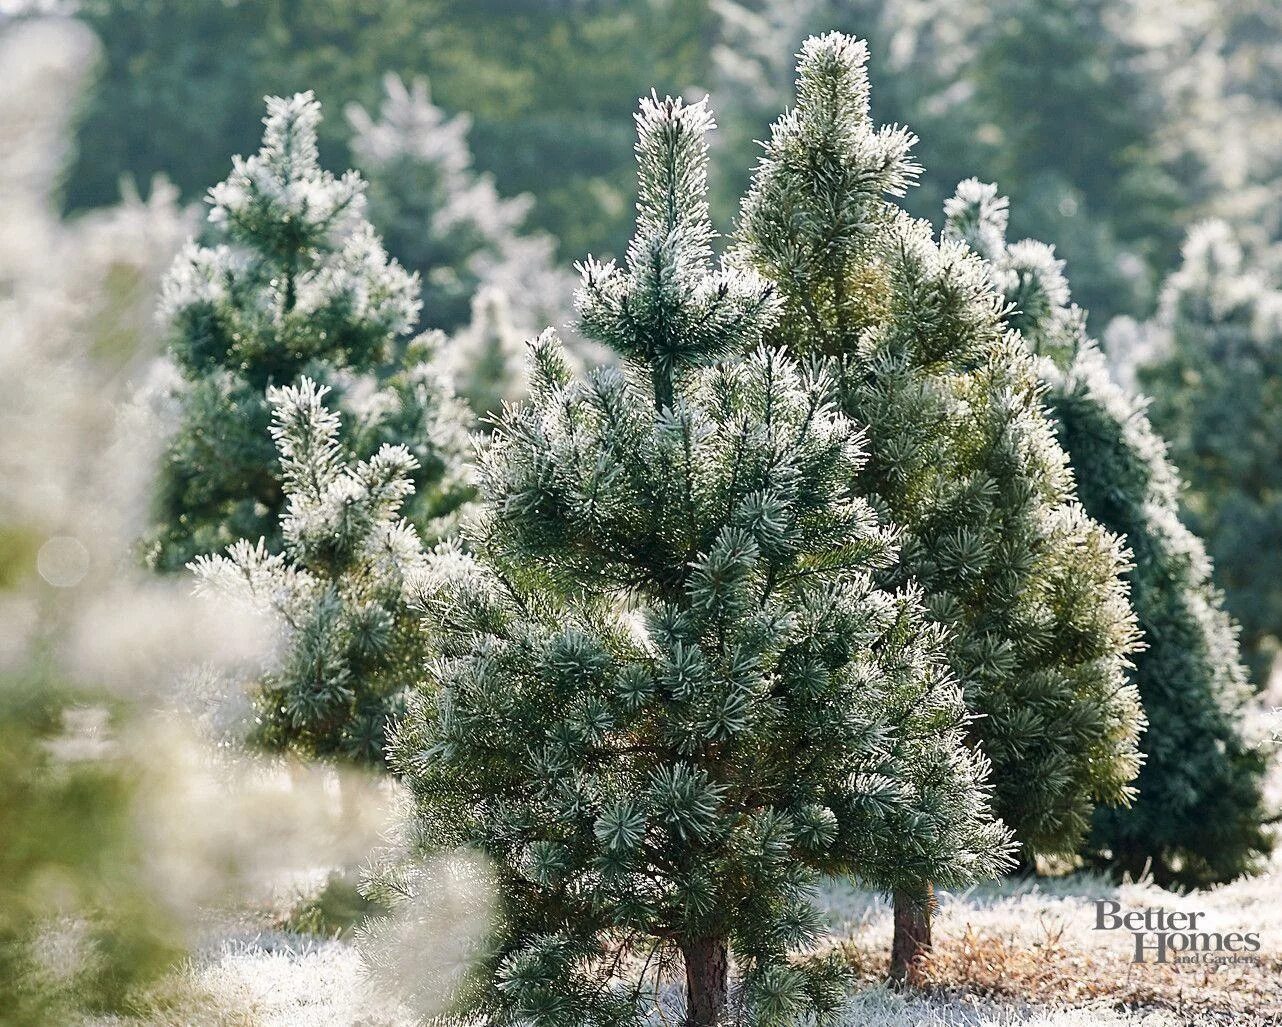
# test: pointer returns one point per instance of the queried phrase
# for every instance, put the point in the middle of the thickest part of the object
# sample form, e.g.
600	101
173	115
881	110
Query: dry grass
1033	945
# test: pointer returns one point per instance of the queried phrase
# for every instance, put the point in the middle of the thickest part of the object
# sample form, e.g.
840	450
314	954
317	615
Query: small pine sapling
290	279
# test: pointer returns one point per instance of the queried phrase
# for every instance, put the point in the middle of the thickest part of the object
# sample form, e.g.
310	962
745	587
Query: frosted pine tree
960	453
1199	813
350	647
290	279
666	694
486	358
1217	398
446	221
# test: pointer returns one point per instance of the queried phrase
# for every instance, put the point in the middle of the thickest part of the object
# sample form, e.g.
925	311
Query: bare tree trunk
707	980
912	938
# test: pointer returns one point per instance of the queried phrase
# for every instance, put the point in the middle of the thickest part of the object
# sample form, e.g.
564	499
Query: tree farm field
637	513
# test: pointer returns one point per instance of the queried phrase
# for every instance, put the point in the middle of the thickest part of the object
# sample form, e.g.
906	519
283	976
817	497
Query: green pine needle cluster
350	648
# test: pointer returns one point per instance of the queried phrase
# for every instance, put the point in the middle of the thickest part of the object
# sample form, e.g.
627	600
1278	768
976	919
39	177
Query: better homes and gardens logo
1175	936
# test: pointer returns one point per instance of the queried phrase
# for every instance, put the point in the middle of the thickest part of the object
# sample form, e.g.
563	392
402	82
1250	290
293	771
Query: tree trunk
1025	864
912	938
707	980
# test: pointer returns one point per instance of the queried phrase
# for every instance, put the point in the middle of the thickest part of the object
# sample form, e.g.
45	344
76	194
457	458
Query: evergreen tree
443	220
1217	398
487	358
1199	813
291	280
961	454
350	646
666	694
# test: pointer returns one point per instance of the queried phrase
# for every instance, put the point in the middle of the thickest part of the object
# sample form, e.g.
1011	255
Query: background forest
288	440
1114	126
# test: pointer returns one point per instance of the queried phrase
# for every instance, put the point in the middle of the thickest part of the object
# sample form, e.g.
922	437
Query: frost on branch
349	647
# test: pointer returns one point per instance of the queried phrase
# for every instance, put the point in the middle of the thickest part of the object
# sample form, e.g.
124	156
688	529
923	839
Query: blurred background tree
443	220
1112	124
1215	373
550	87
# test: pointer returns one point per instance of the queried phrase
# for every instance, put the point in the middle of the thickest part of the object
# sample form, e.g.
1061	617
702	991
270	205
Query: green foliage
1198	816
180	82
486	359
665	693
335	911
79	925
961	452
1217	398
350	648
549	86
1076	126
291	280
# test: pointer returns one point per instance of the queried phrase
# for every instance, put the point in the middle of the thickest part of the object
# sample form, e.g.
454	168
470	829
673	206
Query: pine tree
445	221
350	646
961	454
666	694
1218	400
486	359
291	280
1199	813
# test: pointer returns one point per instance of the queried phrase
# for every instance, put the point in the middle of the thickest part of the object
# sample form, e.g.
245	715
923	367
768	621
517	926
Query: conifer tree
666	693
486	359
961	454
290	280
1217	398
1198	816
350	648
444	220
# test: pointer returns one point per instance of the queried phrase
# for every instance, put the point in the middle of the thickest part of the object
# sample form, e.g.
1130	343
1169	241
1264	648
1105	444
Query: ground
1018	953
1021	952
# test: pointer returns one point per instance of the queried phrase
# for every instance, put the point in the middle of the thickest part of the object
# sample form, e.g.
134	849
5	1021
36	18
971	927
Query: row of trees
1158	109
1156	118
840	565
